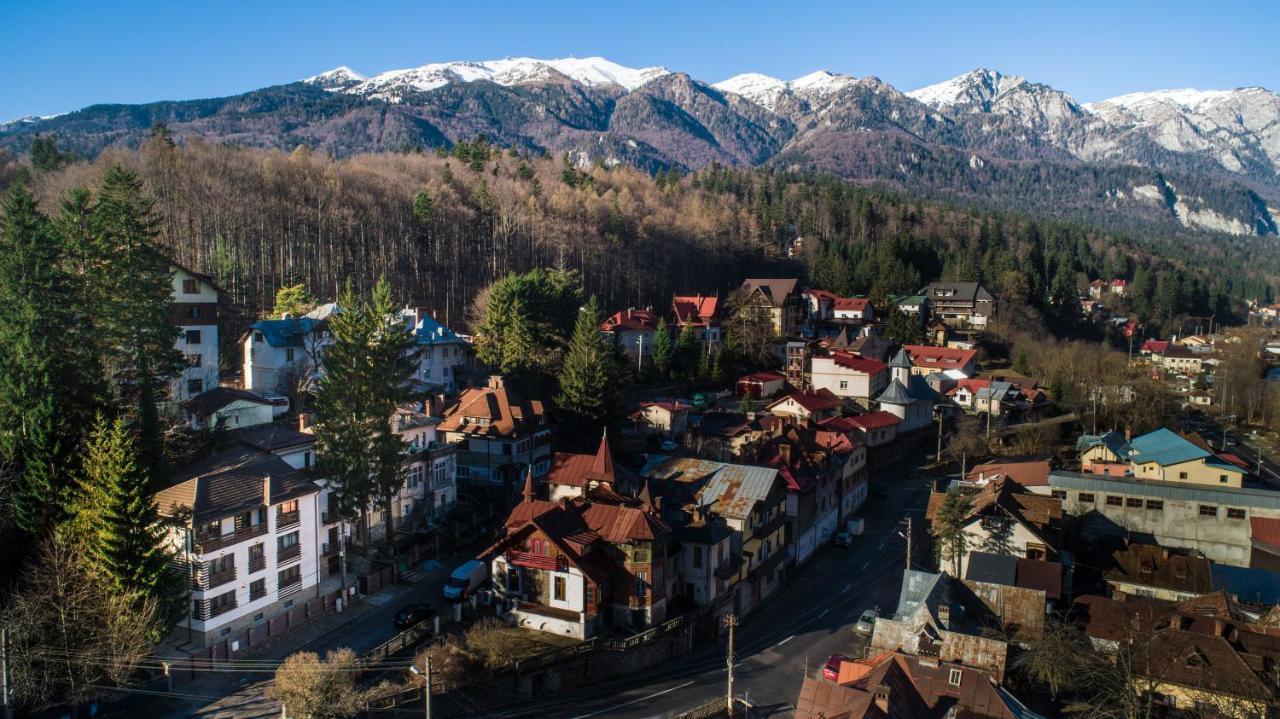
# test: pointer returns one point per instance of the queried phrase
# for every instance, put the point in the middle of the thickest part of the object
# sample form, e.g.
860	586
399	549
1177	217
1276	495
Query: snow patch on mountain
768	92
979	87
339	78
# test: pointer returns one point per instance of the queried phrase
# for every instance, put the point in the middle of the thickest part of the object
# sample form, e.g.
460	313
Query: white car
867	622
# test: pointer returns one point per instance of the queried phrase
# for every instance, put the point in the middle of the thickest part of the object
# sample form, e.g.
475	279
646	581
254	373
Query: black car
412	614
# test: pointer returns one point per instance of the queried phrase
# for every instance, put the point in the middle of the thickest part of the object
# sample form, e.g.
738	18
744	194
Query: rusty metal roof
732	490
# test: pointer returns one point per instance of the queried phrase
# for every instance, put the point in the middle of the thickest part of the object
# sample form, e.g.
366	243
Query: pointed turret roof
900	360
602	465
528	485
895	393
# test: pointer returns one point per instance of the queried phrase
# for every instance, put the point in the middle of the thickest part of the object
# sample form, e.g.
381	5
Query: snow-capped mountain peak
392	84
822	82
978	87
768	91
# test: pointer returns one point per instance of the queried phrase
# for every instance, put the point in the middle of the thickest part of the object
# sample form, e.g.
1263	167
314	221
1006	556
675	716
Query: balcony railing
213	579
290	588
535	561
329	549
257	564
256	593
287	520
288	554
329	516
204	545
207	609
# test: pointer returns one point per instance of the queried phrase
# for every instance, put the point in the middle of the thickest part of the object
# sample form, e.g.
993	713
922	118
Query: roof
958	291
210	401
1152	566
1253	585
581	470
812	400
1265	529
1237	497
1036	511
992	568
695	309
207	279
631	319
763	376
939	358
875	420
907	299
776	290
233	481
726	424
901	360
895	394
619	524
857	363
430	332
274	437
493	411
731	490
1031	473
855	304
288	332
916	588
1040	574
1157	346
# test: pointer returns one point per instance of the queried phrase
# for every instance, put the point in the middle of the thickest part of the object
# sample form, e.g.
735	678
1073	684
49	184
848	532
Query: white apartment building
194	310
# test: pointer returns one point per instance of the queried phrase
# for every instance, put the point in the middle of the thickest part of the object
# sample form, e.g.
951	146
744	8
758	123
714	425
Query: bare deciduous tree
309	686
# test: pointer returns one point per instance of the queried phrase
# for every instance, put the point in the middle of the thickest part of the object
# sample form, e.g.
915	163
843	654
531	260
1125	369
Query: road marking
784	641
824	612
635	701
866	564
846	588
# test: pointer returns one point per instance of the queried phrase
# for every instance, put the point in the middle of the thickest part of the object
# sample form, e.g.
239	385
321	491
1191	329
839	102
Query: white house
194	310
908	396
228	408
284	353
441	351
847	375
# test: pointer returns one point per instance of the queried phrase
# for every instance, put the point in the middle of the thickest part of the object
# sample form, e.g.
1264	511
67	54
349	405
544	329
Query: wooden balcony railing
289	588
206	544
257	564
288	554
287	520
213	579
535	561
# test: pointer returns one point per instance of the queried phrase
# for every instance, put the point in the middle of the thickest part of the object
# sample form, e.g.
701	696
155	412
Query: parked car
411	614
669	446
867	622
466	579
831	670
842	539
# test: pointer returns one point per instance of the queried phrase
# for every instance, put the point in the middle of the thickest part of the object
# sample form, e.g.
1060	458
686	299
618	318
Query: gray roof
732	490
917	588
968	291
895	393
234	481
992	568
901	360
1244	497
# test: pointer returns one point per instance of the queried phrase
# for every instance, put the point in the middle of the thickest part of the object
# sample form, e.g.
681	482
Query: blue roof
1257	586
431	332
1164	448
1113	441
286	332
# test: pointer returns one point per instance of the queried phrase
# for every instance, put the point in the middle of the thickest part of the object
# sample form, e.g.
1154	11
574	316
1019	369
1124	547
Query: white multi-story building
442	353
194	310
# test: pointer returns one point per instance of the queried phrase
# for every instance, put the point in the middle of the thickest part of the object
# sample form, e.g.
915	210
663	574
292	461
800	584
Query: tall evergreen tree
663	348
118	521
586	382
688	352
394	355
134	306
47	390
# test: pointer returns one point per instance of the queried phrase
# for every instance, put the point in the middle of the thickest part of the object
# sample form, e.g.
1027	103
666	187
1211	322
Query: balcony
288	554
293	586
329	549
257	564
209	608
287	520
535	561
257	592
213	579
329	516
206	544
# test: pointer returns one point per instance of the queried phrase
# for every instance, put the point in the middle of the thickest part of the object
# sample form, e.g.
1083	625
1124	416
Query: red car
831	670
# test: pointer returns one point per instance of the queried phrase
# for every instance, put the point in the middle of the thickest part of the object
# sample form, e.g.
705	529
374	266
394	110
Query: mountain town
574	388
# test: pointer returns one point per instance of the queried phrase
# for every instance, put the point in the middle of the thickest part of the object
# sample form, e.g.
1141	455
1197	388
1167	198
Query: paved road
808	620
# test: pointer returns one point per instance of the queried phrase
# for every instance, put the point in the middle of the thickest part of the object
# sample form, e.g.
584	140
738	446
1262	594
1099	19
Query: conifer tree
586	384
293	300
745	404
48	392
663	348
394	361
117	521
688	352
949	529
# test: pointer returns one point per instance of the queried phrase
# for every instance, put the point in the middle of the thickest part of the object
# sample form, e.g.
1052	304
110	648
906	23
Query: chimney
784	451
266	490
881	698
1128	434
1219	627
495	381
304	422
944	616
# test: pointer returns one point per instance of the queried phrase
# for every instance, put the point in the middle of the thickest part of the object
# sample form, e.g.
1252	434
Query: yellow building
1161	455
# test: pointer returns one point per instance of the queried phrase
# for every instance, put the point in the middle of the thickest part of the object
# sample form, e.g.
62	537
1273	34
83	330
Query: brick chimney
881	698
495	381
944	615
305	422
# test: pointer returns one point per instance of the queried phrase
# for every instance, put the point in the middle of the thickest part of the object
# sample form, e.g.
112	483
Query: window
290	576
954	677
226	562
288	354
1058	494
288	540
193	312
642	586
193	337
1132	502
697	557
190	287
844	384
1085	498
195	360
195	386
558	589
257	336
1208	510
1114	501
1233	513
210	529
1222	478
1155	505
1182	475
257	589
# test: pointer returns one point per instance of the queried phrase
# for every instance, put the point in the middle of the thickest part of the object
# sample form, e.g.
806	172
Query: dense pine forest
441	226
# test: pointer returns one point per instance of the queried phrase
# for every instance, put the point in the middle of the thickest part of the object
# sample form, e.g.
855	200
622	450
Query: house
1162	456
853	308
245	523
761	385
849	463
1004	518
926	359
1088	307
1191	657
751	500
442	353
498	434
960	304
1180	360
908	395
1216	521
807	407
1120	288
775	300
795	362
724	436
874	429
194	310
820	305
813	487
670	417
894	684
699	312
227	408
1146	570
1034	574
1098	288
1027	473
575	476
430	489
912	305
871	346
1154	347
634	328
282	356
706	561
574	567
848	375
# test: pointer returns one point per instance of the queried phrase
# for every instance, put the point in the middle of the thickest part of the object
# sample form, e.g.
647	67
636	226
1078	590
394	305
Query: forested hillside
442	227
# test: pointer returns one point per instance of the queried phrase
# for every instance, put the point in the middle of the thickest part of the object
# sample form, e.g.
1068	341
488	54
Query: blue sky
59	55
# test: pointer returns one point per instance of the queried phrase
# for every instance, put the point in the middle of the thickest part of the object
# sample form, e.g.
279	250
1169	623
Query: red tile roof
856	363
580	470
764	376
695	309
1034	473
813	401
852	303
941	358
631	319
1156	346
1042	575
506	413
875	420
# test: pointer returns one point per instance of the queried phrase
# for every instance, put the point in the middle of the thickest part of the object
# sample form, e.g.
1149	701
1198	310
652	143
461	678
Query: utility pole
4	672
640	353
1095	410
730	621
426	687
939	434
908	534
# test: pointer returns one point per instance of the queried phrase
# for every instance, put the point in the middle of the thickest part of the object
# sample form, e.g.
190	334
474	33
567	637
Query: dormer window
190	287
